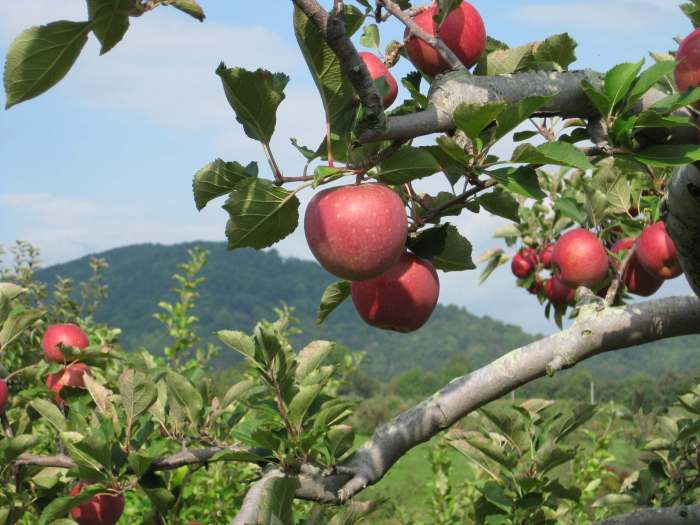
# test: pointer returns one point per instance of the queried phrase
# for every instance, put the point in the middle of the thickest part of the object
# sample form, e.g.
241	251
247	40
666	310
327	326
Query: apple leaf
675	101
261	214
511	117
301	402
408	164
445	7
501	203
16	322
557	49
444	247
191	7
668	155
12	447
311	357
183	394
522	180
276	503
648	79
599	99
619	81
495	259
571	208
506	61
110	21
254	97
332	297
40	57
556	153
370	36
219	178
59	507
472	119
137	393
50	412
157	492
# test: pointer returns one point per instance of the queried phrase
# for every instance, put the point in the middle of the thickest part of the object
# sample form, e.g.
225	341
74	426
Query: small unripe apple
687	71
637	280
4	394
378	69
402	298
524	263
103	509
67	334
546	255
558	293
656	252
356	232
462	31
580	259
71	376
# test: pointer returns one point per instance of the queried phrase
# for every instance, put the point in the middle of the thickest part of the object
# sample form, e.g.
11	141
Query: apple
67	334
558	293
4	394
70	376
546	255
462	31
524	263
103	509
687	71
656	252
536	287
378	69
637	280
356	232
580	259
402	298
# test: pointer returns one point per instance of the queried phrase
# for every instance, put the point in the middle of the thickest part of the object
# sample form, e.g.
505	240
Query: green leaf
190	7
408	164
506	61
110	21
597	97
675	101
50	412
89	456
571	208
219	178
668	155
311	357
138	393
619	80
16	323
557	153
370	36
558	49
10	448
236	392
445	7
238	341
332	297
522	180
139	463
59	507
444	247
40	57
301	403
648	79
472	119
261	214
339	440
514	114
550	456
185	395
501	203
277	499
159	495
255	97
495	259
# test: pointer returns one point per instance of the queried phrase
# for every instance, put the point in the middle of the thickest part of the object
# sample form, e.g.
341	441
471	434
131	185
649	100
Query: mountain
244	286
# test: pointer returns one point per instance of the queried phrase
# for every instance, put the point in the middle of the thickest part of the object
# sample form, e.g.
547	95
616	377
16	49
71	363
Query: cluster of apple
579	258
462	31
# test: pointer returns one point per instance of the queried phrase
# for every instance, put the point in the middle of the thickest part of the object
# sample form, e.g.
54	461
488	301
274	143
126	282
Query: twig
459	199
617	281
378	158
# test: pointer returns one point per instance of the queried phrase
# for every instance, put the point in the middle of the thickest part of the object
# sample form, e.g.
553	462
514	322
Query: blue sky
106	158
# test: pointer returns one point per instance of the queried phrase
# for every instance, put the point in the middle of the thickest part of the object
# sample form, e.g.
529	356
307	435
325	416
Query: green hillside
243	287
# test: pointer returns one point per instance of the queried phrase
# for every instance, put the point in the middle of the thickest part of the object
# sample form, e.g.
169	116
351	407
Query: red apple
656	252
687	71
637	280
70	376
580	259
378	69
558	293
103	509
546	255
536	287
66	334
462	31
356	232
524	263
4	394
402	298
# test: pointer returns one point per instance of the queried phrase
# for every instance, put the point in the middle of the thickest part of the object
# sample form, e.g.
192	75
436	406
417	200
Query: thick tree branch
603	331
683	221
332	29
666	516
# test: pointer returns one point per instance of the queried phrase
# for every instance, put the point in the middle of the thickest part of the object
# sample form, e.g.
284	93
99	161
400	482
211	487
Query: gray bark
668	516
683	221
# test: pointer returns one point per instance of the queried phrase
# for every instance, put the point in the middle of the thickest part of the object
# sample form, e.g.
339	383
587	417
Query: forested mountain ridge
244	286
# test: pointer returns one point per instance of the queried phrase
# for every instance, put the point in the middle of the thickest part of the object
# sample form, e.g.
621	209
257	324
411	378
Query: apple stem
611	296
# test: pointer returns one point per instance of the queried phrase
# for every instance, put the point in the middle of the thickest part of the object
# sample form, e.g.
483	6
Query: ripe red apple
536	287
67	334
462	31
402	298
356	232
558	293
656	252
103	509
637	280
687	71
70	376
580	259
546	255
524	262
378	69
4	394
